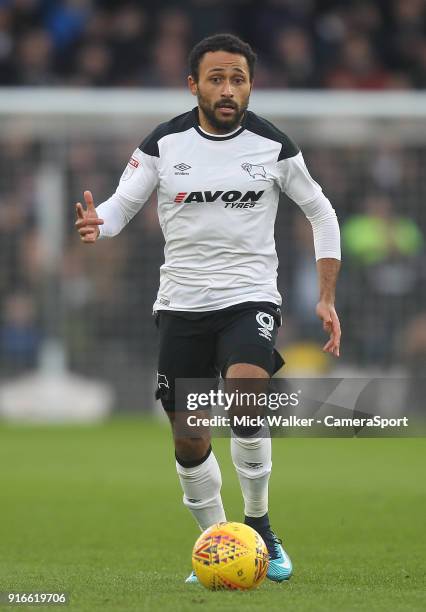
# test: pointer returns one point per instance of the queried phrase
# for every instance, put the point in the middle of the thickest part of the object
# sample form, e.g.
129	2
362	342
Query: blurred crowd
336	44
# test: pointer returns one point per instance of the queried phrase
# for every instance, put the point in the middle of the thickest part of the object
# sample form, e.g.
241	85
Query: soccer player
218	171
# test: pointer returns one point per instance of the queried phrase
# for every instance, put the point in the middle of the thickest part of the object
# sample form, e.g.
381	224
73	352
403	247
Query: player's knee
246	370
191	450
245	431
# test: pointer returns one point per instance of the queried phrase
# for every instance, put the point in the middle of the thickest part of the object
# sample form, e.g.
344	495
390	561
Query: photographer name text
275	420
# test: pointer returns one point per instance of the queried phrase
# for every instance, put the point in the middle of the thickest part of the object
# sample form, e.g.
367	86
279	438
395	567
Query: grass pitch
96	511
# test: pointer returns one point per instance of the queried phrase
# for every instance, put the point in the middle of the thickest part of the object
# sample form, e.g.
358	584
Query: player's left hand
331	324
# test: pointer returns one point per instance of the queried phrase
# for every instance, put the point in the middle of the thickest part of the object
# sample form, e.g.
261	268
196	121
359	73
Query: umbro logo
254	465
182	168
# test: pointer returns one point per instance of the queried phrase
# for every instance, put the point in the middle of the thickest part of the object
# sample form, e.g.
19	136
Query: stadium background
95	509
97	305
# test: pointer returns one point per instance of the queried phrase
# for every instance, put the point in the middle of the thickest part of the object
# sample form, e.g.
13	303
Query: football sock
252	461
201	485
260	523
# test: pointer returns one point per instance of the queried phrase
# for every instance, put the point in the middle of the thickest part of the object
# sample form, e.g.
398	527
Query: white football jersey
217	203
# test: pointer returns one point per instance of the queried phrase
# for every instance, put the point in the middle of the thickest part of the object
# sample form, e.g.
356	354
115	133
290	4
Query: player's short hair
221	42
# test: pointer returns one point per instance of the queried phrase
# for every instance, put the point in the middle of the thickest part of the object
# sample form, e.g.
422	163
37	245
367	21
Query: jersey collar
217	137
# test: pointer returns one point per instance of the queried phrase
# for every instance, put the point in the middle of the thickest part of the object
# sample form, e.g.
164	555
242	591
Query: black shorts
205	344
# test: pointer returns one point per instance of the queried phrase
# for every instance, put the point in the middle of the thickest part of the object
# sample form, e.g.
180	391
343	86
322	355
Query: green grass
96	511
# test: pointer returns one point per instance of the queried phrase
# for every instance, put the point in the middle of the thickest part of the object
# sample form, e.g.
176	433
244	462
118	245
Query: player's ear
192	85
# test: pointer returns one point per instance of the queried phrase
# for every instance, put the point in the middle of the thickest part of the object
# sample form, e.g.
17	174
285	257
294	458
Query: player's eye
216	79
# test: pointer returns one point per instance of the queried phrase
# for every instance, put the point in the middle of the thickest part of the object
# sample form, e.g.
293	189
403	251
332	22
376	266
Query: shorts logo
266	322
254	170
162	381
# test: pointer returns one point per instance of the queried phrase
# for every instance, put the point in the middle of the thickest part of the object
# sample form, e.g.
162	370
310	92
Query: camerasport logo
231	199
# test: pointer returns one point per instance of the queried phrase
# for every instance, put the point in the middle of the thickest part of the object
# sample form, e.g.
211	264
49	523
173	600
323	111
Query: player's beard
222	124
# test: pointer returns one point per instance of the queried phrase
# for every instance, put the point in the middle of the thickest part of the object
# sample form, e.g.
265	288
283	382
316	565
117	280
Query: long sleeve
296	182
137	182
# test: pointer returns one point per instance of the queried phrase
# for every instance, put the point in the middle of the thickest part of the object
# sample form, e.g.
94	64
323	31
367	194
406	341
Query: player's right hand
87	219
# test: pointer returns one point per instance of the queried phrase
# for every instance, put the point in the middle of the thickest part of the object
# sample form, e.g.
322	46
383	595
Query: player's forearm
328	271
116	212
326	232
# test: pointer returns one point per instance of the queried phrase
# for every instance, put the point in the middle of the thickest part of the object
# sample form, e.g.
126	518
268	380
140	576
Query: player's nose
227	90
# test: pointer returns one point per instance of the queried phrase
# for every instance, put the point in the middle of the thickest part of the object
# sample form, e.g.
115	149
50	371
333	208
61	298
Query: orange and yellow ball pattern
230	556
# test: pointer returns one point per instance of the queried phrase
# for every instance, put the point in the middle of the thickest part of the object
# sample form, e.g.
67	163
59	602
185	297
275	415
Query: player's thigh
185	351
247	344
246	352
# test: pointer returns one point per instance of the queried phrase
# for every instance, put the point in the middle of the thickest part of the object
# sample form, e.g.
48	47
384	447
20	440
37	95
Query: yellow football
230	556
